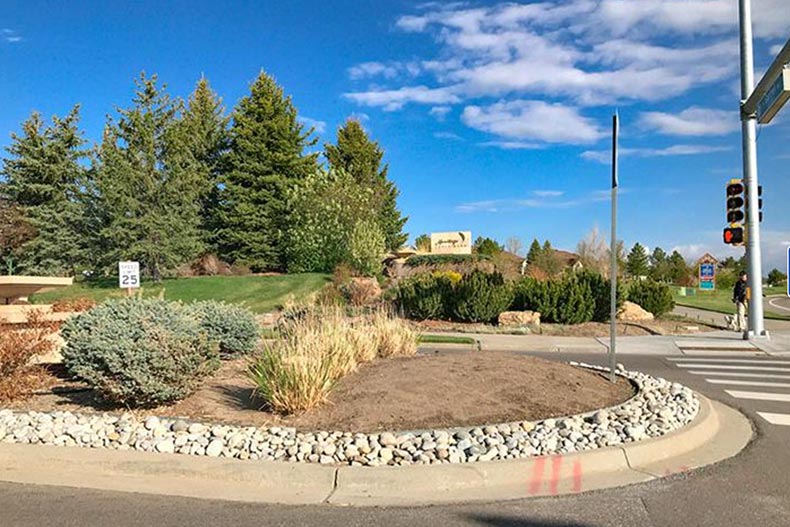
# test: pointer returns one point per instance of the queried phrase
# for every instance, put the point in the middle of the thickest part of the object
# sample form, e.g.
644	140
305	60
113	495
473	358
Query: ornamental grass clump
139	352
394	337
317	349
231	326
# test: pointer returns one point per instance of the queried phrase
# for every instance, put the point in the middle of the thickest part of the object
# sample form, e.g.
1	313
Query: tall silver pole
749	132
613	250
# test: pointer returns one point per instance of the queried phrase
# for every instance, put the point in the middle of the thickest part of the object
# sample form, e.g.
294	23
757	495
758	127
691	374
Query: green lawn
259	293
445	339
721	300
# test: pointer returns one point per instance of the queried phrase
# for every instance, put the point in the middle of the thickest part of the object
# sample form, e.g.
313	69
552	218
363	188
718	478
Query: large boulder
519	319
633	313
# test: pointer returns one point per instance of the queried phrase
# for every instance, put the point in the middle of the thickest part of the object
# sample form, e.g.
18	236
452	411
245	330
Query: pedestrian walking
739	297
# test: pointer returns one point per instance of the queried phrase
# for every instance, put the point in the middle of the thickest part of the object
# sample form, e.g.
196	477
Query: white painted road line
752	375
749	383
738	361
776	419
717	367
759	396
783	308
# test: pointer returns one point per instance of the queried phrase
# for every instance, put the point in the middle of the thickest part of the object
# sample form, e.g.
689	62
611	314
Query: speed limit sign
128	275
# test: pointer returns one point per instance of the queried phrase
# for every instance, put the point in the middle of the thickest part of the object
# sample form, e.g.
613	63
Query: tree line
175	179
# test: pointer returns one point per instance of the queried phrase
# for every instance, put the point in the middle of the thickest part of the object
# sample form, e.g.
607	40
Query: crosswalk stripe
749	383
729	367
738	361
776	419
759	396
731	374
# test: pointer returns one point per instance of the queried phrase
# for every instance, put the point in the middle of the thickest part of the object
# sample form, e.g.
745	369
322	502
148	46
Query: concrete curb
717	433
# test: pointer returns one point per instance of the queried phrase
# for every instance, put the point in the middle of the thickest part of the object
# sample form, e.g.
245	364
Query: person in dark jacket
739	297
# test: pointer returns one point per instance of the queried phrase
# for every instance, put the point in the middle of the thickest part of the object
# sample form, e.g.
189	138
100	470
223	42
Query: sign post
129	276
613	277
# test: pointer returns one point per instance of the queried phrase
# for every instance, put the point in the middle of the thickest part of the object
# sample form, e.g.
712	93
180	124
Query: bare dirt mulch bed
425	391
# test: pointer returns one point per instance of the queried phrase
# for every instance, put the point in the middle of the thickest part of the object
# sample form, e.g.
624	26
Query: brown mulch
426	391
588	329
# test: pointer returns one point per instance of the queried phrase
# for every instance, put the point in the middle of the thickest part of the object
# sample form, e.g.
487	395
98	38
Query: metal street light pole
749	132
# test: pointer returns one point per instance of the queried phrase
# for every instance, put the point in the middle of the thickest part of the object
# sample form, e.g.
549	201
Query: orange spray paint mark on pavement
537	475
577	476
556	464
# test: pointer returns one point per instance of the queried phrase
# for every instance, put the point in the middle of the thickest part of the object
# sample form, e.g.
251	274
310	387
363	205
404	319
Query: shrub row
652	296
476	297
481	297
439	259
148	352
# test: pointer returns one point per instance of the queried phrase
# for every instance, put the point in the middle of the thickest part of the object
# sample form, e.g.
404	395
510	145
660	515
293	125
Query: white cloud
546	201
534	120
10	35
604	156
773	247
388	70
548	193
362	117
512	145
694	121
318	126
775	49
448	135
440	112
392	100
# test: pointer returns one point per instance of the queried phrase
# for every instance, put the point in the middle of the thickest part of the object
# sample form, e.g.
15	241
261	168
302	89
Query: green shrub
531	294
652	296
425	296
569	300
575	302
232	327
481	297
138	352
601	290
366	248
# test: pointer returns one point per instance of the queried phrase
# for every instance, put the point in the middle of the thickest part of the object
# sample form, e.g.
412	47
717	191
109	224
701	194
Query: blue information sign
707	276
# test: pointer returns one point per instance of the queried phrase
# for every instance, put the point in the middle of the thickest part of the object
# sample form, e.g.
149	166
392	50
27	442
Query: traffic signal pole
749	133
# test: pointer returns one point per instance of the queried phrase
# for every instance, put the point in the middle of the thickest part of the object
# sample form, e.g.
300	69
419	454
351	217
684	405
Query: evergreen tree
359	156
43	178
486	246
548	261
677	269
147	186
637	262
534	252
265	159
205	129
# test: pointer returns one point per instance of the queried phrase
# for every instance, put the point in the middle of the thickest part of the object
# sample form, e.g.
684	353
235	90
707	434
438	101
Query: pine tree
534	252
147	187
548	261
205	129
359	156
265	159
43	178
637	263
423	243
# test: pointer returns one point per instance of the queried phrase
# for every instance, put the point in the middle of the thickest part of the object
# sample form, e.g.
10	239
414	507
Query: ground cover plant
232	327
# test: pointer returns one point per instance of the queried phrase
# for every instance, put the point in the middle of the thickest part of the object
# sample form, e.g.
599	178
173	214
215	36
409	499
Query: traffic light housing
759	203
734	236
736	199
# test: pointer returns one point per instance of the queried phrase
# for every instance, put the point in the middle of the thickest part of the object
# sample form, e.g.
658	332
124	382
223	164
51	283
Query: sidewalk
713	341
717	319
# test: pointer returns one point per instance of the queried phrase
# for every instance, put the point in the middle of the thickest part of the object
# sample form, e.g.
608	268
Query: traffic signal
759	203
736	200
733	236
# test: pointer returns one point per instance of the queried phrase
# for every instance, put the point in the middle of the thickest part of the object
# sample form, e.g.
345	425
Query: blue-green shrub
231	326
138	352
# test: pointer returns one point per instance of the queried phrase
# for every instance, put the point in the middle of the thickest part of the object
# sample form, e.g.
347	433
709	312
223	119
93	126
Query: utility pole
749	133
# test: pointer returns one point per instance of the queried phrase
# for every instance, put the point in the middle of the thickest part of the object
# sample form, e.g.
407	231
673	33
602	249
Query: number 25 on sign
128	275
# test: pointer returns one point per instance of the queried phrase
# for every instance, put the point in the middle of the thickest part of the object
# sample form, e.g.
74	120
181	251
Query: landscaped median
664	428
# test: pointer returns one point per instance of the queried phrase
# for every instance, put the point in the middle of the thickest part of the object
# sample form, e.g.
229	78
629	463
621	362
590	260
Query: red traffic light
733	235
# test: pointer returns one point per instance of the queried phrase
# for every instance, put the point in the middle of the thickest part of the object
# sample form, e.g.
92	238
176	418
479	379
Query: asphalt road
778	304
750	490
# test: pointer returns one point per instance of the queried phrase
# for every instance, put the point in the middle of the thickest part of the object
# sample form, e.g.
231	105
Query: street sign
707	276
128	275
775	98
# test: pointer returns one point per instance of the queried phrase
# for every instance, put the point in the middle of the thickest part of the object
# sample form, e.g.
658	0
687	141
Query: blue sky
494	116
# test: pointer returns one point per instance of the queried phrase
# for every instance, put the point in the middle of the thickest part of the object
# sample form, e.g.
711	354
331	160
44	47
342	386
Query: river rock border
658	408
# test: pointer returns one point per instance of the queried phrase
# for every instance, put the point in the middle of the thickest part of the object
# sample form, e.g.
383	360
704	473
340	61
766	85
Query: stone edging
658	408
